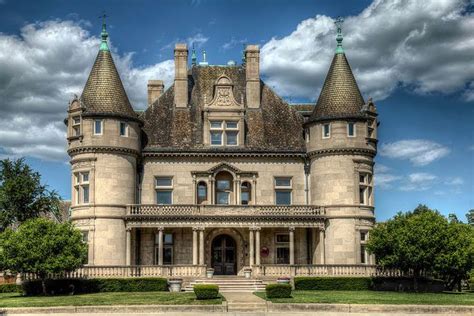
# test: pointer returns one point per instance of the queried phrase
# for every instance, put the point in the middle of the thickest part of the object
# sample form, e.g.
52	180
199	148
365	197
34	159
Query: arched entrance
224	255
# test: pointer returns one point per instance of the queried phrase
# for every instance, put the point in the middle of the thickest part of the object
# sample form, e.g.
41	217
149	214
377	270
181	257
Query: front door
224	255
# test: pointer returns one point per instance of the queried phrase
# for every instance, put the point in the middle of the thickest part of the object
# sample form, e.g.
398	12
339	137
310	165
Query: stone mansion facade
220	172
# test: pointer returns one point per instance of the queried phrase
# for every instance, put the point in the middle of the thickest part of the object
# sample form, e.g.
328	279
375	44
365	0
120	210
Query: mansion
220	172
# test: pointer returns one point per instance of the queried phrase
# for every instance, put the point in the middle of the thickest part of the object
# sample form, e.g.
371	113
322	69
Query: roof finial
338	22
104	35
193	57
204	56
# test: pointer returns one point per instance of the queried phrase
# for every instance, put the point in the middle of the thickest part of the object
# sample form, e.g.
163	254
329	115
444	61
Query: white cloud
385	180
198	40
419	181
418	151
454	181
233	43
424	45
471	147
40	70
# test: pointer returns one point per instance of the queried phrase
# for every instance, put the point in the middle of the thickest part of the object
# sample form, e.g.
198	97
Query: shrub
10	288
81	286
278	290
206	291
332	283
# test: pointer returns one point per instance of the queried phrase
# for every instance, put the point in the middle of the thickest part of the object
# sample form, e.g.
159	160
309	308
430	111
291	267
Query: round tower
342	145
104	145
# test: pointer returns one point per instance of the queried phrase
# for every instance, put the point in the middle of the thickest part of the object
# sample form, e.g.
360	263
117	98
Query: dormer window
326	130
224	133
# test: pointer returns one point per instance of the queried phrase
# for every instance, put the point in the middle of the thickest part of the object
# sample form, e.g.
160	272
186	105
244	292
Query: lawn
373	297
110	298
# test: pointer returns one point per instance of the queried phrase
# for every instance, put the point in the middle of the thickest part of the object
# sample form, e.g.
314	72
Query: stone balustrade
223	210
278	270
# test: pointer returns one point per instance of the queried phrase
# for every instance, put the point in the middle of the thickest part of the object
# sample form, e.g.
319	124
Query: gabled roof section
340	96
104	92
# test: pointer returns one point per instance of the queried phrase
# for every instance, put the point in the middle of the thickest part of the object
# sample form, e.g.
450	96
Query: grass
110	298
373	297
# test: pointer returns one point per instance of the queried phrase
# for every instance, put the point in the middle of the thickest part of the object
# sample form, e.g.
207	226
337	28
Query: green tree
452	218
22	196
470	217
410	241
42	247
454	263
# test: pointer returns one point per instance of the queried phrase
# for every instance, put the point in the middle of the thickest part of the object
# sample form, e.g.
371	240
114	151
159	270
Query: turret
103	143
342	146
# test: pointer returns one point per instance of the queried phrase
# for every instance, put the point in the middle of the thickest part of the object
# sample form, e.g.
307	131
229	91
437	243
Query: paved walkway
232	314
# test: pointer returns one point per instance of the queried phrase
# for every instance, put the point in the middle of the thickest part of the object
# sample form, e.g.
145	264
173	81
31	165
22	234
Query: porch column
201	246
160	246
195	245
251	247
257	246
292	245
128	246
322	246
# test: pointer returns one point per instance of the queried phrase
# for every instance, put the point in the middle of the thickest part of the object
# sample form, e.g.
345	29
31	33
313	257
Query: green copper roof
339	38
104	35
193	57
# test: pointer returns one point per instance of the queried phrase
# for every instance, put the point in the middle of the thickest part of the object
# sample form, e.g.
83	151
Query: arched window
201	192
245	193
224	187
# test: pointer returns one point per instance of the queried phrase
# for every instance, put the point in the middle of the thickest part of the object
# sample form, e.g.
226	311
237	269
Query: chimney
252	74
155	90
181	75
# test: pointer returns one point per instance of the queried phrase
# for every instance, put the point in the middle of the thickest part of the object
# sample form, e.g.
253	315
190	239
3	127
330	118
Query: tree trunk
416	274
43	285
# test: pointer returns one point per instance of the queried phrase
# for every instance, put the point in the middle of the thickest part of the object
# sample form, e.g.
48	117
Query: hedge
405	284
10	288
333	283
82	286
206	291
278	290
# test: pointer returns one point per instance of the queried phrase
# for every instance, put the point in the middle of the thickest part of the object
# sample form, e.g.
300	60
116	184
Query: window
326	130
351	132
97	127
245	193
167	248
164	190
365	188
283	188
123	129
371	124
81	187
363	250
224	181
282	248
76	126
224	133
201	192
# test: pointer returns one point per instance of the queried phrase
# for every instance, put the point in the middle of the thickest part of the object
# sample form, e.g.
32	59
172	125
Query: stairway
230	284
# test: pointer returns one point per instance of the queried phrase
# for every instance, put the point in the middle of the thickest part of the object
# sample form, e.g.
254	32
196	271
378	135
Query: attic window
224	133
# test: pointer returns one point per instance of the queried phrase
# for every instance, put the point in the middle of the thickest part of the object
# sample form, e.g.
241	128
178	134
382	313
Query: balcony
193	210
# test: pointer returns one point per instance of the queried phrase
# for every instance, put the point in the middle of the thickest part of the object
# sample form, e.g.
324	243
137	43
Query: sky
414	58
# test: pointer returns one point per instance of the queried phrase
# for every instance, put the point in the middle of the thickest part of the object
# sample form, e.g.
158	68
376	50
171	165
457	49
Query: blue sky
414	58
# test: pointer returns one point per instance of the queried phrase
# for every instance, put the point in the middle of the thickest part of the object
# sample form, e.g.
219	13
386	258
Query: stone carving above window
223	95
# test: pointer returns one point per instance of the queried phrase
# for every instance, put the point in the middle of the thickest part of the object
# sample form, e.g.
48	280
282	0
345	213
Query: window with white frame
164	190
365	188
326	130
168	242
351	129
283	188
81	187
224	133
98	126
282	248
363	249
76	125
123	127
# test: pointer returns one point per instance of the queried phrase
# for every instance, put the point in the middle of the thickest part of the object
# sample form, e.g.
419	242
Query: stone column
251	247
128	253
201	246
195	245
257	246
322	246
160	246
292	245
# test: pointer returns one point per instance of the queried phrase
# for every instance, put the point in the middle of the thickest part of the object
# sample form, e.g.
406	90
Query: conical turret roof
104	92
340	96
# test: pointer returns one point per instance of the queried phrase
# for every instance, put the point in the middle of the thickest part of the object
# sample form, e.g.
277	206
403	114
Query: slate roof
274	127
104	93
340	96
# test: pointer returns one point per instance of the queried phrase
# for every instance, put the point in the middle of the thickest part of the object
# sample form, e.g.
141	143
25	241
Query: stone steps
234	284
